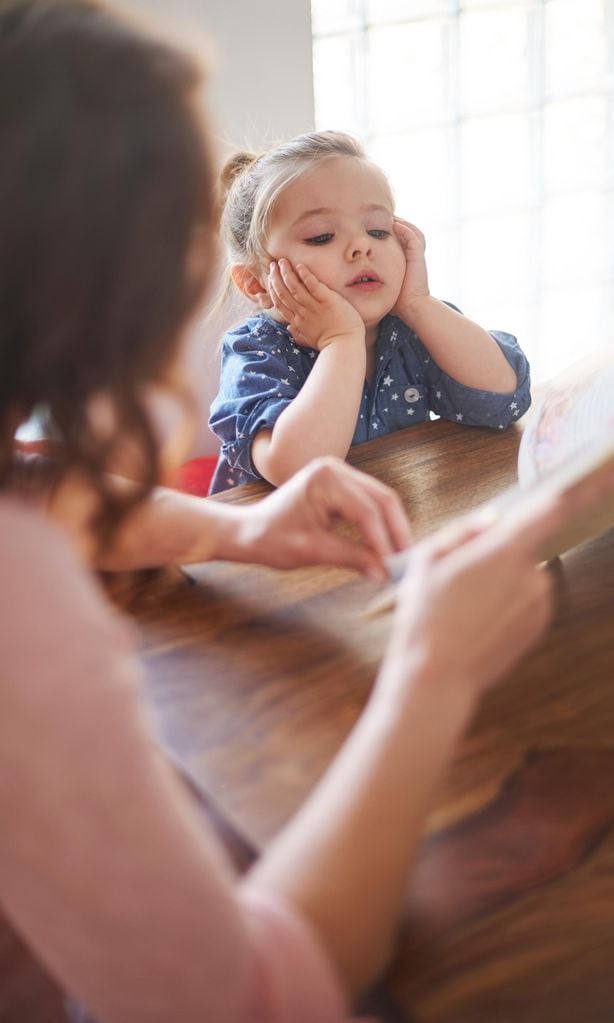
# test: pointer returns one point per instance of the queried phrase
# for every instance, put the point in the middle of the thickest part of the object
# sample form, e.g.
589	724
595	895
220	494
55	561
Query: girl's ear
250	286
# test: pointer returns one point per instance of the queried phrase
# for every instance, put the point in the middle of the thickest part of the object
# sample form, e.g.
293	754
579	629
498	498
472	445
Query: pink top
57	623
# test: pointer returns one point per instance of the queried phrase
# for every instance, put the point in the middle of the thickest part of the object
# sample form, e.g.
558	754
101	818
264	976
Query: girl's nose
359	245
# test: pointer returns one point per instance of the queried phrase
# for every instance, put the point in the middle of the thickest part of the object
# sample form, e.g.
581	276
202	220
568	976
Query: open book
569	436
568	439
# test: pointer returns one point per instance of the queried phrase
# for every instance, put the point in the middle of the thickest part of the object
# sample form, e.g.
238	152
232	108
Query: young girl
348	343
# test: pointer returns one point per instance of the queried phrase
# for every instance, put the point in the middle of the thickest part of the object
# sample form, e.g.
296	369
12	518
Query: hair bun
236	165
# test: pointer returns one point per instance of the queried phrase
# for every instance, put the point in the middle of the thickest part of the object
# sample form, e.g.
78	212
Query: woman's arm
296	525
473	602
347	856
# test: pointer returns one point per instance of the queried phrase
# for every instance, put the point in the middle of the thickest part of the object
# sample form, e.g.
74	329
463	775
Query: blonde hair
251	185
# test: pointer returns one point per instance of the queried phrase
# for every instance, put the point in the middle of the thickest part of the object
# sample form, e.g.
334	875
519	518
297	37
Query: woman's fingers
452	536
376	511
536	519
392	511
333	549
298	523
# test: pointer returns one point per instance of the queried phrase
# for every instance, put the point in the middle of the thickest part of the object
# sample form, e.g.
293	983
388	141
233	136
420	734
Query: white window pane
380	12
575	241
609	268
516	316
408	76
575	144
417	166
470	5
572	324
497	260
576	51
337	62
515	195
496	164
335	16
494	60
442	263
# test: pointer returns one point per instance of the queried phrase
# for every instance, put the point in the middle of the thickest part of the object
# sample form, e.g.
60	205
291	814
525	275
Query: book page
570	435
574	414
568	439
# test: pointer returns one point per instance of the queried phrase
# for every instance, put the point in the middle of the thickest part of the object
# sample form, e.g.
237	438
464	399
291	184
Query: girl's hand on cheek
415	285
315	314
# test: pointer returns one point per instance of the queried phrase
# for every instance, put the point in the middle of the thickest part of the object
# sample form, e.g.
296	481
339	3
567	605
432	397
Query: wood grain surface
255	676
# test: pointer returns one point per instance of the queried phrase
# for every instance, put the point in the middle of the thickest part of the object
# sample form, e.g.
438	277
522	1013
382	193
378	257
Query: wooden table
256	676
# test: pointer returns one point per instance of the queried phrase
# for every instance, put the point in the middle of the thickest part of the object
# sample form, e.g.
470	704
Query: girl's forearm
322	418
460	347
350	850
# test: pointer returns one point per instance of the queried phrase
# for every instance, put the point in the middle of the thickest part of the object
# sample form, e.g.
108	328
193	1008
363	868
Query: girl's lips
365	280
370	285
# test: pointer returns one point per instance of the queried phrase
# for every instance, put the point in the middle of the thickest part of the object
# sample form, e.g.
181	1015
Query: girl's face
337	219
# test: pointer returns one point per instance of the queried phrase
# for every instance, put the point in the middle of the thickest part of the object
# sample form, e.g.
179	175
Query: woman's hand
474	600
296	525
415	286
316	315
476	597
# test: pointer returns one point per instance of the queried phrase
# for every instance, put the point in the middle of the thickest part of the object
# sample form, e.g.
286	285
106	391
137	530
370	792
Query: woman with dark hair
107	221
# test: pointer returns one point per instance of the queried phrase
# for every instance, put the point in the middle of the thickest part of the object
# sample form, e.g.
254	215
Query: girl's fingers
408	234
293	285
282	297
279	286
402	223
280	305
311	282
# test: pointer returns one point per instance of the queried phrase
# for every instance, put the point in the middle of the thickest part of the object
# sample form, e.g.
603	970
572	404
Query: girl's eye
377	232
319	239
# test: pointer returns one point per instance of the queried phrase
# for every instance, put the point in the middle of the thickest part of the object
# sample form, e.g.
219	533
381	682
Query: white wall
261	90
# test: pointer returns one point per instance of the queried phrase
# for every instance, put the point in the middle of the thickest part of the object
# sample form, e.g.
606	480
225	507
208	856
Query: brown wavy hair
107	212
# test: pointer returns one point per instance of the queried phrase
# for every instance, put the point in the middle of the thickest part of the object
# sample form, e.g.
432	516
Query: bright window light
494	120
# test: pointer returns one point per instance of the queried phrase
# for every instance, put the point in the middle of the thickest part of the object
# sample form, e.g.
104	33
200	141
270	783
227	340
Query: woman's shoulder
26	537
47	597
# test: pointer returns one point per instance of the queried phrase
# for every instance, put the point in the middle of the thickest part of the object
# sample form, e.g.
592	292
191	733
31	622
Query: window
494	120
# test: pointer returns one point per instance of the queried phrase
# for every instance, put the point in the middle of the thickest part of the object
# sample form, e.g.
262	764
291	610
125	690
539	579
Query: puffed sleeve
256	385
472	406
